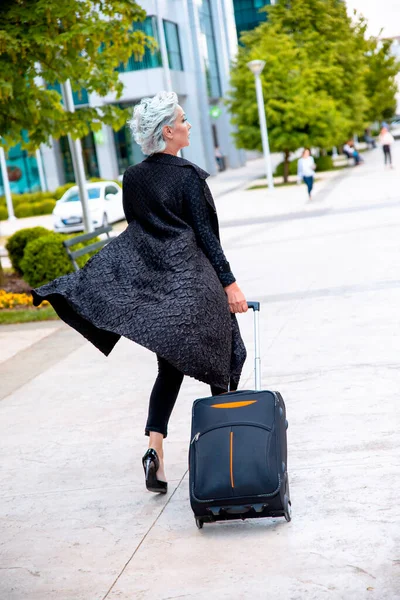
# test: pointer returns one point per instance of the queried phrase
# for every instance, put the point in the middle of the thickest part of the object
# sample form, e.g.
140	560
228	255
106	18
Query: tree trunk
1	275
286	167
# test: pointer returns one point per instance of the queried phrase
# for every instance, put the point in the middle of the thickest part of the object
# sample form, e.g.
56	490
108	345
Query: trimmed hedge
3	213
292	168
45	258
16	244
60	191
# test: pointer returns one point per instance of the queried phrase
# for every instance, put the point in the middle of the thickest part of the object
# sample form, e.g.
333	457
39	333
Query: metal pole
42	178
264	132
77	160
6	184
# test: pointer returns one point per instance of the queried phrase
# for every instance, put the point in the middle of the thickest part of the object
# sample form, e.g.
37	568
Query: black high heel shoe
151	464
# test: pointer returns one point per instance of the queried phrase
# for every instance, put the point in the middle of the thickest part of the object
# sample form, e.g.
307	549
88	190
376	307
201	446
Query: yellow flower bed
10	300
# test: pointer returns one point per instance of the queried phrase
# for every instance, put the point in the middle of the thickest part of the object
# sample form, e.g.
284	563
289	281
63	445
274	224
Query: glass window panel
173	46
150	60
208	48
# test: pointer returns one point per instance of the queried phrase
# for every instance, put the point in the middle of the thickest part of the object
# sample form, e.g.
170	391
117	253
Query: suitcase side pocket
234	461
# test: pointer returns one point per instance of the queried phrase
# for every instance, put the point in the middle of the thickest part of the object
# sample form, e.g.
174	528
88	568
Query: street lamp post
256	67
77	160
6	185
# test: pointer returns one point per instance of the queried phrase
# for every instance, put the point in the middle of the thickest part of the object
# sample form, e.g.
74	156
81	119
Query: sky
379	14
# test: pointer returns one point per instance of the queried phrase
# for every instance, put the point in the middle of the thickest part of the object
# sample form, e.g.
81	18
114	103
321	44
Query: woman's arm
199	218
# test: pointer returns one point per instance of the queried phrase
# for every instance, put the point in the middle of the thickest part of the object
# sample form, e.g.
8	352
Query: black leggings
387	154
164	394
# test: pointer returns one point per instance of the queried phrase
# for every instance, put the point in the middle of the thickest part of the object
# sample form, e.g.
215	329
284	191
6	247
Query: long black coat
160	282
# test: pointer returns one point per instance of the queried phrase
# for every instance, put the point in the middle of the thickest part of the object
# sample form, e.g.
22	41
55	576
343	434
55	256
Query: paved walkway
77	523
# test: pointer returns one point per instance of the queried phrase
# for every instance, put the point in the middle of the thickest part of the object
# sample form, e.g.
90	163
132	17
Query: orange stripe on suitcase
234	404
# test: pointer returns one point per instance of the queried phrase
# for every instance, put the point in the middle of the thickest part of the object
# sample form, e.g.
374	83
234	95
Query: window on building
150	60
89	157
248	15
80	97
22	169
209	49
173	46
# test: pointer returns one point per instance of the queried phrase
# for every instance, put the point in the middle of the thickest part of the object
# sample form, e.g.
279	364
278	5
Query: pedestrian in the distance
305	170
164	282
386	140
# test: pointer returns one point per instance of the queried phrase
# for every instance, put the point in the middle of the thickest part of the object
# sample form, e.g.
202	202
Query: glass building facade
23	173
89	157
173	46
208	49
150	60
248	15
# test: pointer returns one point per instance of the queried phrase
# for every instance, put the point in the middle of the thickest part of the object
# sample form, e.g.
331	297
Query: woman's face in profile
181	129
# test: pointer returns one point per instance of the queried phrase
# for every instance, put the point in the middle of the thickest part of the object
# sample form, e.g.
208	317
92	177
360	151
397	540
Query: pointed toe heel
151	464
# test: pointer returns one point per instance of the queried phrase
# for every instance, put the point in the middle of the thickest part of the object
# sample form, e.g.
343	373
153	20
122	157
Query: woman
164	282
305	170
386	140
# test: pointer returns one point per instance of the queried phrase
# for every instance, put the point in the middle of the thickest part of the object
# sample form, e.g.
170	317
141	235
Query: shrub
3	213
324	163
23	210
292	168
60	191
45	207
45	259
16	244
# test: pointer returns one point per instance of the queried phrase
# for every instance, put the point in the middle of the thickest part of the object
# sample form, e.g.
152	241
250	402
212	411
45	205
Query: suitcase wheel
199	523
287	507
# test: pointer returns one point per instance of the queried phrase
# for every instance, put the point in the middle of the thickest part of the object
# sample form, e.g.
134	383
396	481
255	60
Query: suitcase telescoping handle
257	354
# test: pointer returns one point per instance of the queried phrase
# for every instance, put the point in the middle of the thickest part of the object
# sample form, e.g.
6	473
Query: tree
47	42
381	87
313	80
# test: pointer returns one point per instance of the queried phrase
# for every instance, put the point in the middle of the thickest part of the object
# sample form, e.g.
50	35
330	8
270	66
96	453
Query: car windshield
93	193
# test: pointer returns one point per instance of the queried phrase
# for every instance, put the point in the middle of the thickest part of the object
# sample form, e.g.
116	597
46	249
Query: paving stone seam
145	536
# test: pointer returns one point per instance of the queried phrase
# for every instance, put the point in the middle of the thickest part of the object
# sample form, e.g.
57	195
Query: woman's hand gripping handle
236	300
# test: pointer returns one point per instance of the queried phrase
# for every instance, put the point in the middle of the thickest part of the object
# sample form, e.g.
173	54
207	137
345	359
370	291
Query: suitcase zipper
221	425
231	460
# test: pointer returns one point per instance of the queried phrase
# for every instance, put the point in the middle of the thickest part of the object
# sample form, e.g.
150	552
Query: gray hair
149	118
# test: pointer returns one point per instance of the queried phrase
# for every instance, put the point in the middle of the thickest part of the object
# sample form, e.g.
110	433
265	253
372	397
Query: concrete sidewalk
77	523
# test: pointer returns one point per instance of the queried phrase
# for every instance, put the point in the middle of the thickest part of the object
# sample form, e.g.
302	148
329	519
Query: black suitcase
238	453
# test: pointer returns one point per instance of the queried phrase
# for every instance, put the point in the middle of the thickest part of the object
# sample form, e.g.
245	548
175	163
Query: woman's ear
167	131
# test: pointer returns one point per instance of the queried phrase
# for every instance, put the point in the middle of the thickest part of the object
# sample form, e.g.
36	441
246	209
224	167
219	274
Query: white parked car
105	206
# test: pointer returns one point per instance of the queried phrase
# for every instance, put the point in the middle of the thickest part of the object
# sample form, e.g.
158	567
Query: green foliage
60	191
3	213
312	81
16	244
380	80
324	163
23	210
45	258
80	40
292	168
323	78
45	207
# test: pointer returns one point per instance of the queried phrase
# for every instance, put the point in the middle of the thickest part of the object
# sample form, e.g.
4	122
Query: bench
85	237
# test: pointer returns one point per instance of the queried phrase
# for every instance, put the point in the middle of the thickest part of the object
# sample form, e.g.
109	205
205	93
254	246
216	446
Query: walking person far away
305	170
386	140
164	282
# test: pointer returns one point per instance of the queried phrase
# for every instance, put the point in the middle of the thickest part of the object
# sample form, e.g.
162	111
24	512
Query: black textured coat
160	282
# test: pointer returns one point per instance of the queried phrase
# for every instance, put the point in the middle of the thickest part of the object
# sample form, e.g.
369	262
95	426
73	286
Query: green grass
21	315
260	186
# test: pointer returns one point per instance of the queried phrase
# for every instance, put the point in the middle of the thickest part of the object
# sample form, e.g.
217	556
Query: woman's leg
386	152
309	183
162	401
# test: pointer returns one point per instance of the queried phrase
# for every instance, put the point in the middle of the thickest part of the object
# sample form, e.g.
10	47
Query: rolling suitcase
238	453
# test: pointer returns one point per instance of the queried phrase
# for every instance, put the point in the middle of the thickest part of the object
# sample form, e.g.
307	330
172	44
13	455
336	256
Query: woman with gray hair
164	282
